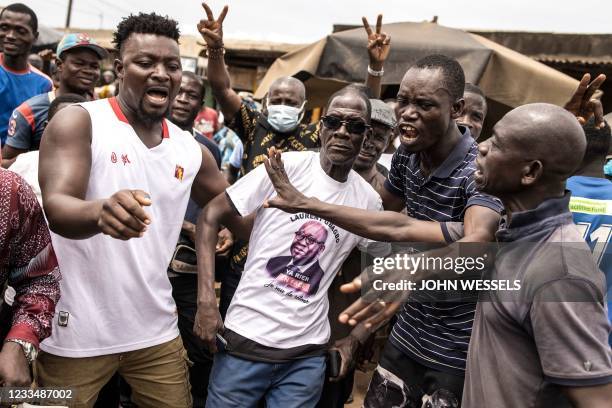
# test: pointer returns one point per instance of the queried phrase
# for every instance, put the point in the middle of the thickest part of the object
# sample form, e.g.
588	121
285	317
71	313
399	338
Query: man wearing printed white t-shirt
276	327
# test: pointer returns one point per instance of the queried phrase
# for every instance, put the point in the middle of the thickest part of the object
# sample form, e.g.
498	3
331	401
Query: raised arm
208	320
65	165
379	45
218	77
386	226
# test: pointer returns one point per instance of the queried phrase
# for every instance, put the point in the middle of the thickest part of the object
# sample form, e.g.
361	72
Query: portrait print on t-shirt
301	270
281	300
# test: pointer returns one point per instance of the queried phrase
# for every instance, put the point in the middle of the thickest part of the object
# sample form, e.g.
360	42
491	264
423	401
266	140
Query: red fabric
207	122
23	331
28	115
27	260
117	109
121	116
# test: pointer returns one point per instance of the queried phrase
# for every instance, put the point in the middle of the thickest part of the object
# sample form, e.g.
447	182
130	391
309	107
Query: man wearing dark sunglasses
279	122
432	176
348	340
276	326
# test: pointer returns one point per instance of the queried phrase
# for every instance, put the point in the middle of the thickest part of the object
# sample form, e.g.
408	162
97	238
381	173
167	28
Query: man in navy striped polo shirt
432	177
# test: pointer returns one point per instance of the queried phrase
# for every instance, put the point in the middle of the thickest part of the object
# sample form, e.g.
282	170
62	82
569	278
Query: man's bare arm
231	174
63	173
480	224
208	320
376	225
208	184
9	155
386	226
378	51
211	30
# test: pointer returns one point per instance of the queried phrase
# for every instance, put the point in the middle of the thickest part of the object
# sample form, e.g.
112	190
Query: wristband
215	53
376	73
28	349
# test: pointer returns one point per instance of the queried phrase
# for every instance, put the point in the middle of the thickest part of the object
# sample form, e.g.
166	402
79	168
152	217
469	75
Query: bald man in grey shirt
545	345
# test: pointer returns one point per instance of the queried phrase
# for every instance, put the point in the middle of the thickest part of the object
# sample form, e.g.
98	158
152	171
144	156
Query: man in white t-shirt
276	330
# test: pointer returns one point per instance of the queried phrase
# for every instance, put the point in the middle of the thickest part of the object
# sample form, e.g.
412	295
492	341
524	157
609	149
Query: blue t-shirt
28	122
16	88
591	206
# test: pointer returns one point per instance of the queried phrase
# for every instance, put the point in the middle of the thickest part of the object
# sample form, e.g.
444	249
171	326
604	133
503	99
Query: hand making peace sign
379	43
583	105
211	29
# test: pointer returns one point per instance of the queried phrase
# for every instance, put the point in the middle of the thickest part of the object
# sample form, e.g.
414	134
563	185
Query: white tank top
115	295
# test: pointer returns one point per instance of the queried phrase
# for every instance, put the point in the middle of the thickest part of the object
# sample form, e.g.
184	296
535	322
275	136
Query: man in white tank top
116	177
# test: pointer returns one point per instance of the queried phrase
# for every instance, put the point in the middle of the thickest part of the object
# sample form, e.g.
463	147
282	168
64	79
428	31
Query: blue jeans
235	382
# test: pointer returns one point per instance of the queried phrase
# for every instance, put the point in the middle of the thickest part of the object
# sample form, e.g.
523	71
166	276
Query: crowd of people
157	252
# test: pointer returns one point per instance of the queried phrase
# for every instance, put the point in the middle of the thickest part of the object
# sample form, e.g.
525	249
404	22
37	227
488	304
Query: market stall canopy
47	38
188	44
508	78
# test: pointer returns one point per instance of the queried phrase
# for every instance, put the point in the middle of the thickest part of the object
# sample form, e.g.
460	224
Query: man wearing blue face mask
279	123
284	118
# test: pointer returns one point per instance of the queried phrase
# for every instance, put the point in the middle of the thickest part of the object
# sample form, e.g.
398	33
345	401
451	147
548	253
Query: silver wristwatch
28	348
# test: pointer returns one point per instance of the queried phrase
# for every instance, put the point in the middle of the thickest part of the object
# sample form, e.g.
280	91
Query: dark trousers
400	381
6	319
184	292
335	394
229	283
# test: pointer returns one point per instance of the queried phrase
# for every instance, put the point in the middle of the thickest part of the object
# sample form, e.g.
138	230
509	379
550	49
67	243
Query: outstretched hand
288	198
211	29
369	309
583	105
379	43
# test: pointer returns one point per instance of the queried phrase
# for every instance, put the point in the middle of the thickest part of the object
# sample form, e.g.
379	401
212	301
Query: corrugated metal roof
588	49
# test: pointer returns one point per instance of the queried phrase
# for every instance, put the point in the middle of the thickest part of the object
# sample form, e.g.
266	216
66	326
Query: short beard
149	119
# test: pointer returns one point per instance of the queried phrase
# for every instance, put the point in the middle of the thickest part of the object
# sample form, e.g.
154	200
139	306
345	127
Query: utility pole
68	14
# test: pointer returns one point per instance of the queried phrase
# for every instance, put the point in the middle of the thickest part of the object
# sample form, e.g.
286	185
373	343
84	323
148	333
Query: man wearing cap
376	142
78	65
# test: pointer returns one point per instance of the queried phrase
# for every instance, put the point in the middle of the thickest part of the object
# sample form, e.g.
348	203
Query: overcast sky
307	21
